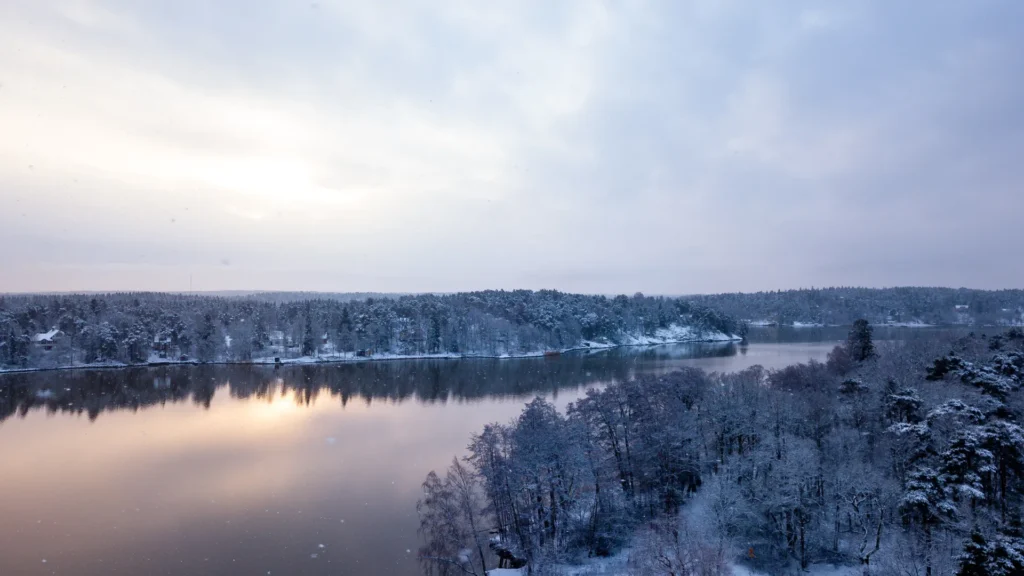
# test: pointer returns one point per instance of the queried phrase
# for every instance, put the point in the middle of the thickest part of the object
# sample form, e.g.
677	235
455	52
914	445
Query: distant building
162	344
47	340
277	339
327	346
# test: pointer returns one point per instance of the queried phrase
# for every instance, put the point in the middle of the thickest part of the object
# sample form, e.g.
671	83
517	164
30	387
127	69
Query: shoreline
328	360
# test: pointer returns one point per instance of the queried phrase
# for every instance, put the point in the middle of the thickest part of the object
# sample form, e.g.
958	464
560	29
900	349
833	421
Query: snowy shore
672	335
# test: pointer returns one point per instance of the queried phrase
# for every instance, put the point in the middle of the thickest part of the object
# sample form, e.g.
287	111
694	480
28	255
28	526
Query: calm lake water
207	470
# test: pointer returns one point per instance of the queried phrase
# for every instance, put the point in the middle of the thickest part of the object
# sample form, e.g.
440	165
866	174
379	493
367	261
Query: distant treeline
841	306
133	328
302	296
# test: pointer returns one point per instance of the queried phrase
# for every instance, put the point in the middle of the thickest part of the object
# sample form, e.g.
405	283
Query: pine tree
206	338
1005	442
974	558
925	505
308	338
964	465
859	341
1003	555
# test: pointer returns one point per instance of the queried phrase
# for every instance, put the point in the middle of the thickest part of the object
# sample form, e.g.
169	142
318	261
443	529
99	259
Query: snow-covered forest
901	459
118	329
841	306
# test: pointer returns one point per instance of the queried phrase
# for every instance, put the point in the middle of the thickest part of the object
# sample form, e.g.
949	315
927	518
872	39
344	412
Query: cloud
602	147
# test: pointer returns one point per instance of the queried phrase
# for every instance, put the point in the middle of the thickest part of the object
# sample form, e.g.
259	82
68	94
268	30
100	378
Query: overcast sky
593	146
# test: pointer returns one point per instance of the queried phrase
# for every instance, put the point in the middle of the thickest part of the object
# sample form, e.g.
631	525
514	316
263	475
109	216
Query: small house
162	344
326	345
47	340
277	339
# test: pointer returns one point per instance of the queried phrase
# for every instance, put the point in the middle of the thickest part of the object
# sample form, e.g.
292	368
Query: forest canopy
61	330
841	306
906	460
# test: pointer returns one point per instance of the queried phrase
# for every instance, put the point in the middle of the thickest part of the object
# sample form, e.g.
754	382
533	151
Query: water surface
217	470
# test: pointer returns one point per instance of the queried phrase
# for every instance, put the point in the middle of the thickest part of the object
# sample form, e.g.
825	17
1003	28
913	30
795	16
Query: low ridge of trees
840	306
906	459
129	328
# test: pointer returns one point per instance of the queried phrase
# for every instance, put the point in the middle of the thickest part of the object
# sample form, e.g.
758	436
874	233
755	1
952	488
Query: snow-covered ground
910	324
799	324
74	366
619	565
812	570
677	333
772	323
1015	322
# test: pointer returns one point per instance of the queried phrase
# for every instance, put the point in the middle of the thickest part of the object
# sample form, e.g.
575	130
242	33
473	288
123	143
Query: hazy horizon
244	292
662	147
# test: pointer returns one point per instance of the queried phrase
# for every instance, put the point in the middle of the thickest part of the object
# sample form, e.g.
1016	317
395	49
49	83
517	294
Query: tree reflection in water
93	392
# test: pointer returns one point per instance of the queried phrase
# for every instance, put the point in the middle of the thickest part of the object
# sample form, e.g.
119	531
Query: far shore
351	358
